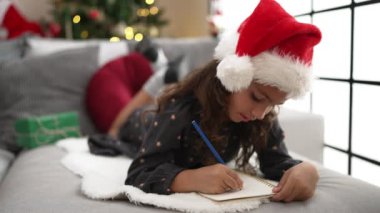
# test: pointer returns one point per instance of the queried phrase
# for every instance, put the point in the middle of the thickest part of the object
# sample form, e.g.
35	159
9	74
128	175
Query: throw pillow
107	50
12	49
196	52
45	85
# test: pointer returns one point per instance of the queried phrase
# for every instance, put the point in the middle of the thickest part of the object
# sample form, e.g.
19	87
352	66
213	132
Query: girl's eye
255	98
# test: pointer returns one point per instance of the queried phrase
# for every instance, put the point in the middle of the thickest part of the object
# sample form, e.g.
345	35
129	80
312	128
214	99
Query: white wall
35	9
187	18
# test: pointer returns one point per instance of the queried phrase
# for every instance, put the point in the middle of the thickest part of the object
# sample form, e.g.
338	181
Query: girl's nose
260	112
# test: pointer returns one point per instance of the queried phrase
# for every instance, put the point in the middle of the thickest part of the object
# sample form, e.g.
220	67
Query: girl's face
254	102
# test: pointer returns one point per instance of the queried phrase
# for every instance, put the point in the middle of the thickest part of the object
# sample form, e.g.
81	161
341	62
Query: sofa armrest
304	133
6	159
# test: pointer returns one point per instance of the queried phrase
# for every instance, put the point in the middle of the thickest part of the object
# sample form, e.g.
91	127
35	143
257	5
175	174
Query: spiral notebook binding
262	180
251	172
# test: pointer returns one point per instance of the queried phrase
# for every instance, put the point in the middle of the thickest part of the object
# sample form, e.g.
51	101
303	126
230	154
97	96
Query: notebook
253	187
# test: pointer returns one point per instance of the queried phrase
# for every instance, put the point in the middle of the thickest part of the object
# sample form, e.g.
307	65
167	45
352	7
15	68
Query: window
366	171
332	55
347	66
331	99
346	63
327	4
366	43
365	121
335	160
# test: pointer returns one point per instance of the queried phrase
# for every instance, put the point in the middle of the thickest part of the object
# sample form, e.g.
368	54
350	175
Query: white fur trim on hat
284	72
269	68
227	45
235	73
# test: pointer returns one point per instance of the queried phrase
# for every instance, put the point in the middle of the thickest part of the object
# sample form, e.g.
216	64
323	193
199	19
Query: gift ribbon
55	132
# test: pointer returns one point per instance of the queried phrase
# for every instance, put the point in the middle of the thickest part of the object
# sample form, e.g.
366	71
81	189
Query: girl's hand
113	132
298	183
213	179
216	179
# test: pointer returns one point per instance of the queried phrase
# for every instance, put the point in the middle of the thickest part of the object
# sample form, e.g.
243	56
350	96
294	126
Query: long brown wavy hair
214	101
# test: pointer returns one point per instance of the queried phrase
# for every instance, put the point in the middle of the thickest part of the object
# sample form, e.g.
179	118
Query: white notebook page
252	187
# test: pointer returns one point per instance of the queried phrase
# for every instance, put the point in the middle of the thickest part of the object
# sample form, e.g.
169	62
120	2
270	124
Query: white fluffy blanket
103	178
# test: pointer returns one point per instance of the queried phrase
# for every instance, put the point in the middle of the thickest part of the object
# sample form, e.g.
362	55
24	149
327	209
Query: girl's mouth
245	118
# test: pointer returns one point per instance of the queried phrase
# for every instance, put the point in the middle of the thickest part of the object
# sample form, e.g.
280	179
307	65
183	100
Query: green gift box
32	132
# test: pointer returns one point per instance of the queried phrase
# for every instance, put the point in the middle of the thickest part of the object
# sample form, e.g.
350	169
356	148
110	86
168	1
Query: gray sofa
43	83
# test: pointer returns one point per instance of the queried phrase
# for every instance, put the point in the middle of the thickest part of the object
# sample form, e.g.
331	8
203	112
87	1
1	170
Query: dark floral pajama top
166	146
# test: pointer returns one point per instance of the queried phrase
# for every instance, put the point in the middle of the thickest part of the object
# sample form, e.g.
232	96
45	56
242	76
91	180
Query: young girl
233	99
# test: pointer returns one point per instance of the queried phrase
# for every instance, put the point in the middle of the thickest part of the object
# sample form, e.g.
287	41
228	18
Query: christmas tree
113	19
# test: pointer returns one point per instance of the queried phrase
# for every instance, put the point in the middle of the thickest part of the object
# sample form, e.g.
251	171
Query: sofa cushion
12	49
37	182
6	159
45	85
107	50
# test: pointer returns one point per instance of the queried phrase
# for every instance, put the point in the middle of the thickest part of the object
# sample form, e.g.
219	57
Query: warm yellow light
149	2
114	39
146	12
84	34
153	10
129	33
139	37
128	30
76	19
153	31
129	36
143	12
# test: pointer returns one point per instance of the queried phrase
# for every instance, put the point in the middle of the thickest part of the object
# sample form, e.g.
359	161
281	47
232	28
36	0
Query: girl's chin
232	119
237	120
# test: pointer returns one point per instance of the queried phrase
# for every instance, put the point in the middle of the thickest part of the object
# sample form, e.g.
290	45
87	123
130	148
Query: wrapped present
36	131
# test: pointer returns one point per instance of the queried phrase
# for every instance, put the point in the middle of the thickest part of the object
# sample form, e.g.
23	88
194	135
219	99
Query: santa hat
271	48
14	23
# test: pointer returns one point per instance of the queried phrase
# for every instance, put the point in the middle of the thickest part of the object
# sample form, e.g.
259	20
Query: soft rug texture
103	178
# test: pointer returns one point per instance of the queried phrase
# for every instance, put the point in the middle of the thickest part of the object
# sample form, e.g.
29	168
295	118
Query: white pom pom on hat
237	72
270	47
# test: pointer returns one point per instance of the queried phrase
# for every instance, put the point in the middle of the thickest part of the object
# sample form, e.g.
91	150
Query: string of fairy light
129	32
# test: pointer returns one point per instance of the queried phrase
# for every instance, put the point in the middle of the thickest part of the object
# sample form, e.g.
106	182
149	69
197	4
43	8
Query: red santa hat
270	47
14	23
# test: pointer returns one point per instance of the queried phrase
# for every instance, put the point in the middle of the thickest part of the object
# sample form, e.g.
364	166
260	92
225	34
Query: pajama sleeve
274	159
154	169
155	83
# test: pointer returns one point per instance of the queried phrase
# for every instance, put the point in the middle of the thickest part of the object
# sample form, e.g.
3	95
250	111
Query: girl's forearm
139	100
184	182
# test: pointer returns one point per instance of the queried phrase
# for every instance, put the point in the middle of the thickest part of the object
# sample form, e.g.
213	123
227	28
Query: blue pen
207	142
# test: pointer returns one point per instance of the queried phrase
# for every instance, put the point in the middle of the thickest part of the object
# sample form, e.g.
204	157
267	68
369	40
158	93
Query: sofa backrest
196	52
55	82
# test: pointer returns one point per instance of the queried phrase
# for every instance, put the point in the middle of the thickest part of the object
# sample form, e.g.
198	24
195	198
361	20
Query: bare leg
140	99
